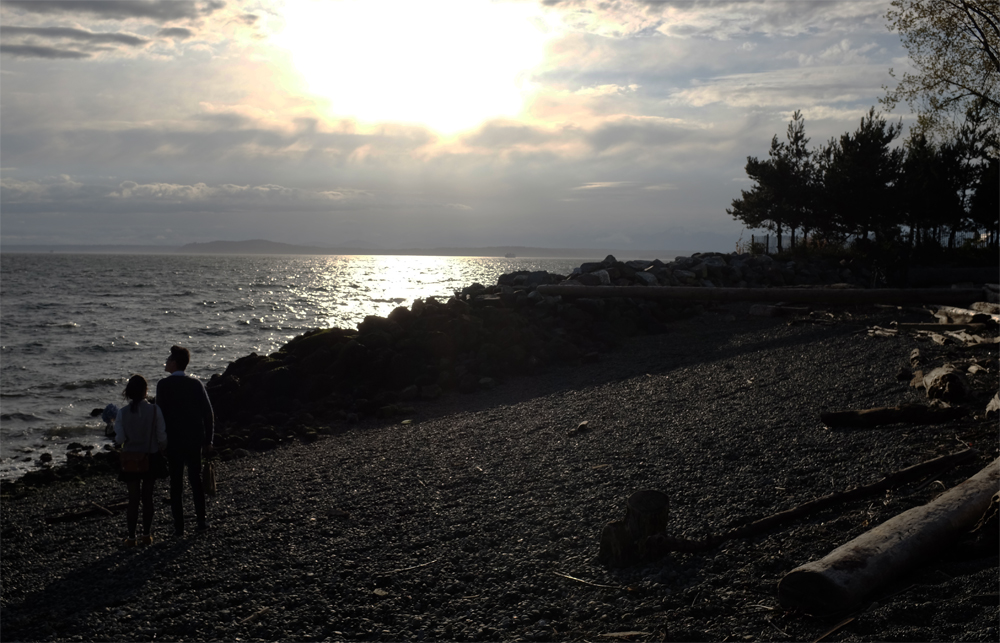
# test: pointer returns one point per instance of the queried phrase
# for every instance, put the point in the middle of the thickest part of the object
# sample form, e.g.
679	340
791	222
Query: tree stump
646	514
617	549
624	541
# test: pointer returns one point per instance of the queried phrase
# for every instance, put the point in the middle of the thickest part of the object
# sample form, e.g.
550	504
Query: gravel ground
480	520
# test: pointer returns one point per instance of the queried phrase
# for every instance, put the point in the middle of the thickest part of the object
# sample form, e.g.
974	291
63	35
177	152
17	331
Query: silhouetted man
190	422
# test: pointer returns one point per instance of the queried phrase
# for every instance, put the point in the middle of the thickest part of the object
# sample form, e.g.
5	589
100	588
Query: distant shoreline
260	247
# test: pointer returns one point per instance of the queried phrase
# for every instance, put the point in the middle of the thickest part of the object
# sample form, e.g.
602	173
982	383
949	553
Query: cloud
37	51
796	86
81	35
119	9
713	20
56	41
180	33
603	185
62	187
638	117
228	193
131	196
606	90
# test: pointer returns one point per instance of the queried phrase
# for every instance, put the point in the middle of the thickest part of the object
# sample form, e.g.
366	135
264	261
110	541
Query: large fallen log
814	295
908	413
846	576
975	328
965	315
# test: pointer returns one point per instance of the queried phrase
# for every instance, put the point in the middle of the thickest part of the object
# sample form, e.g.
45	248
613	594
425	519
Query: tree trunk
847	575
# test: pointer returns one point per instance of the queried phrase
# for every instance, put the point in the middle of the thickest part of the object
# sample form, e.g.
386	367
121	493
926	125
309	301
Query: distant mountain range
262	246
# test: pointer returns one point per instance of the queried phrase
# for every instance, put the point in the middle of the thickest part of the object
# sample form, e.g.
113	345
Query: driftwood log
92	509
965	315
908	413
813	295
844	577
973	328
660	544
947	383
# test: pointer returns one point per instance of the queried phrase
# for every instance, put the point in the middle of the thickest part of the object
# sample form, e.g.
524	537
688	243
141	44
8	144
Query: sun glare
446	64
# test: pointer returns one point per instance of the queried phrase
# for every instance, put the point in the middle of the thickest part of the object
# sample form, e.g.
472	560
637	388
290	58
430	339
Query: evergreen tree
860	176
782	192
985	203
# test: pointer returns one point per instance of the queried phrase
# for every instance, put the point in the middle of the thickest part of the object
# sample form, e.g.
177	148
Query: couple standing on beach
181	424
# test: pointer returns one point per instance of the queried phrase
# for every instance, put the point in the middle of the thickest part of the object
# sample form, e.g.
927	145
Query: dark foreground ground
480	519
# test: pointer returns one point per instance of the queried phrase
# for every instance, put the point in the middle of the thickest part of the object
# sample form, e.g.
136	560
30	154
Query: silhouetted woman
140	427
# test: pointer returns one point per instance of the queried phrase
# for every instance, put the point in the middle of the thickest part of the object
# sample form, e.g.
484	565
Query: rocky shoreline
477	517
328	379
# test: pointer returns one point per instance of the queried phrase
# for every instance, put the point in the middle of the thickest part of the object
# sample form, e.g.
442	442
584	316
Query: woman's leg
147	505
132	511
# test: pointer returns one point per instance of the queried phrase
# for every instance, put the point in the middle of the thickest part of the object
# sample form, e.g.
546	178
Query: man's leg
175	461
193	460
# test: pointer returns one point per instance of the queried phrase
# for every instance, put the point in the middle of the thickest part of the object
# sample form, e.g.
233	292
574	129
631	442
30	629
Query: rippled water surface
74	328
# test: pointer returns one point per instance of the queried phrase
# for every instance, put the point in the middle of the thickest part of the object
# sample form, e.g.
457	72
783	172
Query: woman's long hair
135	390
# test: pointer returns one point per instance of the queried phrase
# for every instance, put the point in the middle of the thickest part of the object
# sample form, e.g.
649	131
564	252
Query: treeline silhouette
862	193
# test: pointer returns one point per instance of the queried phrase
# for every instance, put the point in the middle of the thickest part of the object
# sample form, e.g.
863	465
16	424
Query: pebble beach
479	517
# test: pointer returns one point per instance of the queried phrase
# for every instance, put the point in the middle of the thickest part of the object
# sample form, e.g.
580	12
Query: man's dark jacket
187	412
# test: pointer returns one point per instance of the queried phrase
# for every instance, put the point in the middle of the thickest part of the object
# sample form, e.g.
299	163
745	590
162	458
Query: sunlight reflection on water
76	327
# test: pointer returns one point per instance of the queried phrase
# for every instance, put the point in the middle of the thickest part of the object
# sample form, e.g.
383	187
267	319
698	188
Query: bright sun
446	64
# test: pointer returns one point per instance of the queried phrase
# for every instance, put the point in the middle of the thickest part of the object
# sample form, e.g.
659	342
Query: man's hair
181	356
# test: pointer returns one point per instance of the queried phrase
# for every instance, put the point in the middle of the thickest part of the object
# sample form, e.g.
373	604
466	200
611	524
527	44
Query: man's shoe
202	526
146	540
129	542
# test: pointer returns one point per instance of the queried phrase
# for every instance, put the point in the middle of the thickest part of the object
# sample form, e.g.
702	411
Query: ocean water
74	328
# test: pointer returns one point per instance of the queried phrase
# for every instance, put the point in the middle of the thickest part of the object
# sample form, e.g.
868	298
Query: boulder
685	277
646	279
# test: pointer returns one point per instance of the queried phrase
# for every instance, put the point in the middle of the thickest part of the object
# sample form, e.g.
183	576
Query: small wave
63	325
85	384
72	429
23	417
214	332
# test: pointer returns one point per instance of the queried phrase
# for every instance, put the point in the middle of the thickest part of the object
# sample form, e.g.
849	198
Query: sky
401	124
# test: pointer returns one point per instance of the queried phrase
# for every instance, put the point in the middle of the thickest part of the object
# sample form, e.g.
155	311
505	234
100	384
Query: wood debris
908	413
843	578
